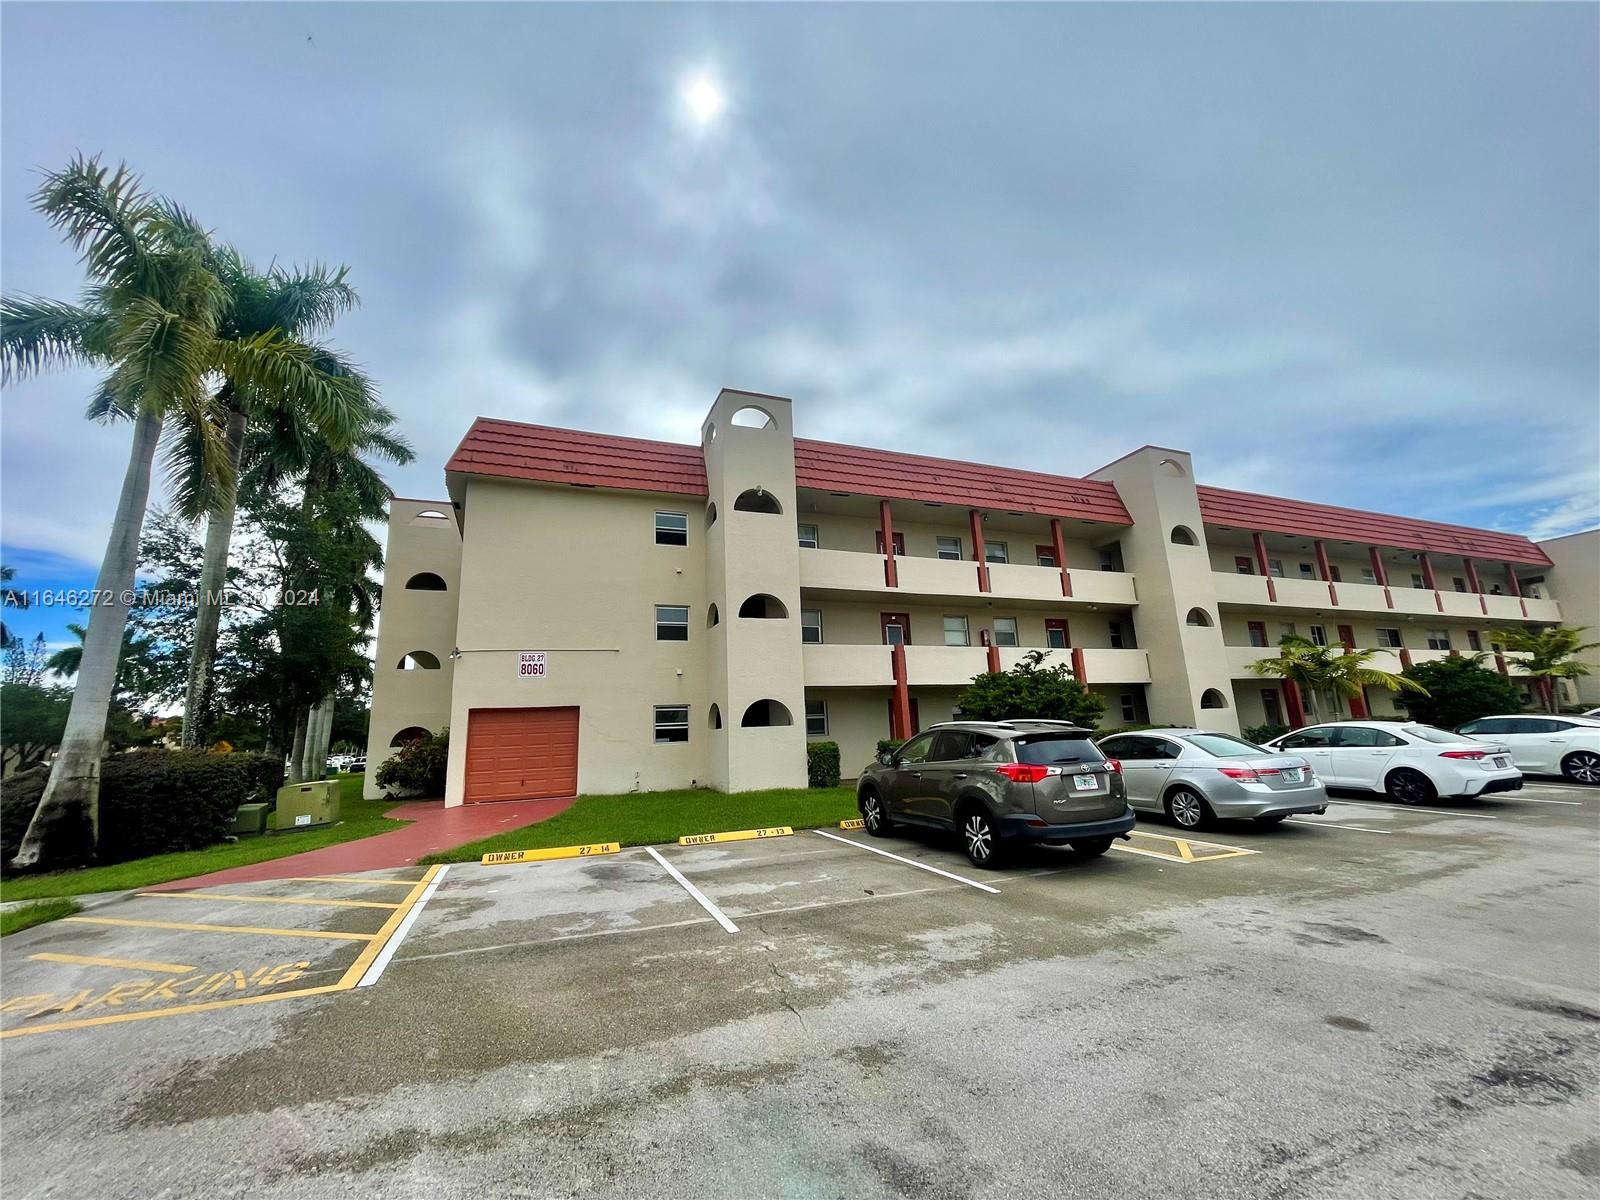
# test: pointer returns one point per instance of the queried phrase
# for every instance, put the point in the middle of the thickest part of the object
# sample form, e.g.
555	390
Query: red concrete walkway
433	828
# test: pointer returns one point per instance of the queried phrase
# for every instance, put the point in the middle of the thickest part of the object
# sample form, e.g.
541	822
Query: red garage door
521	753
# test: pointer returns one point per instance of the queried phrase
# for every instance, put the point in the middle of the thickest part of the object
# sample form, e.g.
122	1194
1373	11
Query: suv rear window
1047	749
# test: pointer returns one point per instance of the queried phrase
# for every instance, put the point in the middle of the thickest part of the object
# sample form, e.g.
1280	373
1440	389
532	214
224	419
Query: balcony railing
840	665
854	571
1250	591
1385	659
847	666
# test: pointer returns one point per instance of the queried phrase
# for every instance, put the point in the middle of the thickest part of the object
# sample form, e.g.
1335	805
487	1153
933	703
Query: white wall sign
531	664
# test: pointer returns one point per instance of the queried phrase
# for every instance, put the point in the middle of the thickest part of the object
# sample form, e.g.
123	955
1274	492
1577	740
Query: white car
1414	764
1567	746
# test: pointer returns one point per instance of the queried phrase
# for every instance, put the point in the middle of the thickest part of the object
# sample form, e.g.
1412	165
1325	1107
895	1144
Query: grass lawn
359	818
643	818
26	916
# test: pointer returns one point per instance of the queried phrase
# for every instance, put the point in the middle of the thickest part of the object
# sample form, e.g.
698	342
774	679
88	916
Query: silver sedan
1195	776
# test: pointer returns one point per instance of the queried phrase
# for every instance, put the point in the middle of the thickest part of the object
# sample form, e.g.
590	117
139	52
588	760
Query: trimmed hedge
822	764
1263	733
152	801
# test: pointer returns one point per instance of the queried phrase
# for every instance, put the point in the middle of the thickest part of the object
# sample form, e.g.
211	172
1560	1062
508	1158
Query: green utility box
303	805
251	819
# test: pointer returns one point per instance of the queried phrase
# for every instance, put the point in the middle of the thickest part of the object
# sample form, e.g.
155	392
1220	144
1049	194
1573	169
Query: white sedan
1414	764
1567	746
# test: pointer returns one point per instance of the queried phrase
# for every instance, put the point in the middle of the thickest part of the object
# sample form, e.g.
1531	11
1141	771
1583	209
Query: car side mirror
886	758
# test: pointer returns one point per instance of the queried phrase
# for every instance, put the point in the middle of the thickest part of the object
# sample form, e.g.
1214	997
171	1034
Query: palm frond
106	405
105	215
37	334
310	298
333	396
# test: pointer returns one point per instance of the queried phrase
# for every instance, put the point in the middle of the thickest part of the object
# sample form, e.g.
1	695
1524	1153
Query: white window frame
1438	639
822	715
1114	635
941	550
669	528
1275	567
996	552
1368	575
1129	706
966	629
1418	581
1287	629
1385	643
1319	635
1307	571
813	541
1015	633
672	623
806	626
659	726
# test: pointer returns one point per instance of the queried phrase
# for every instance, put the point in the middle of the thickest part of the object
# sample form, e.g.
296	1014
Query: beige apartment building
595	613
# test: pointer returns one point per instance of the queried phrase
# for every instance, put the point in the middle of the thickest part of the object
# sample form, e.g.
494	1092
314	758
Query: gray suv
999	783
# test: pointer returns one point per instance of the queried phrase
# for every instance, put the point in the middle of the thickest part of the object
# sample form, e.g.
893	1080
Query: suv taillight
1022	772
1472	754
1115	764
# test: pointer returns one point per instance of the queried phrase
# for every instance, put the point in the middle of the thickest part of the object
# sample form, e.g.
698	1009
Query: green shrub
1264	733
1031	690
1459	690
822	764
888	746
152	801
418	768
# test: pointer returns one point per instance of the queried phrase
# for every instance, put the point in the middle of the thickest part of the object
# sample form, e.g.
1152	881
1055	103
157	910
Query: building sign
531	664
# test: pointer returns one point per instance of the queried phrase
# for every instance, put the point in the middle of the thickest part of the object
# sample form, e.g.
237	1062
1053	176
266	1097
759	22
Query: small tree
1322	670
1458	690
1031	690
1546	654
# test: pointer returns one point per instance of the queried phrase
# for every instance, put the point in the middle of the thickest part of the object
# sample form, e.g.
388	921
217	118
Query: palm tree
133	661
1546	654
293	305
10	597
1322	670
150	316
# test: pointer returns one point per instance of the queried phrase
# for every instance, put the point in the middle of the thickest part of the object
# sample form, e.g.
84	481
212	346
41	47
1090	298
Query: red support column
1500	664
1428	581
1405	659
1291	702
1326	571
1077	665
1358	706
994	659
1475	583
891	577
1515	589
975	523
1260	544
900	710
1060	544
1380	574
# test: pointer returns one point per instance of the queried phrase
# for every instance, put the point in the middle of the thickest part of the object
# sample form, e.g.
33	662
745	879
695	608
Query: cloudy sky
1342	253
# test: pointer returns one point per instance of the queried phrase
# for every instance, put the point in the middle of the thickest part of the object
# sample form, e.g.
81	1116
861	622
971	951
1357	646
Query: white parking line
1415	808
705	902
1337	825
910	862
1516	797
382	961
1182	862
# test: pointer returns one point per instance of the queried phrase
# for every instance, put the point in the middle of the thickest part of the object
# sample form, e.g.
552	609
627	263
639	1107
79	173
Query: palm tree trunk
208	609
66	825
317	738
297	749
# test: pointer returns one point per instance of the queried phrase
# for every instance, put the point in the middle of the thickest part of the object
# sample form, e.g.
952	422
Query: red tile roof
832	467
510	450
1272	514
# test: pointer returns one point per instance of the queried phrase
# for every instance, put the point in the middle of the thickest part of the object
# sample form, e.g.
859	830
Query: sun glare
702	99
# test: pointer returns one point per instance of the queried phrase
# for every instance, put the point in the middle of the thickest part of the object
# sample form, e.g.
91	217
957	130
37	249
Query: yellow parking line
307	933
269	899
348	980
1192	842
95	960
405	883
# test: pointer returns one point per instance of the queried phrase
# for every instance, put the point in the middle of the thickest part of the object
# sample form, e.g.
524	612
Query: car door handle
961	774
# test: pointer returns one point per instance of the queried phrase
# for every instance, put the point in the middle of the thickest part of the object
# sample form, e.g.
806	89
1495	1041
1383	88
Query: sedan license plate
1502	762
1085	783
1291	775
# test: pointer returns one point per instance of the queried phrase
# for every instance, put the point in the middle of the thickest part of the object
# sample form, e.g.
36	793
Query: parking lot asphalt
1381	1001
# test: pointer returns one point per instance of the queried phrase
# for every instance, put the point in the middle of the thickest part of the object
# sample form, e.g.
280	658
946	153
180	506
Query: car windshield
1048	748
1223	745
1429	734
